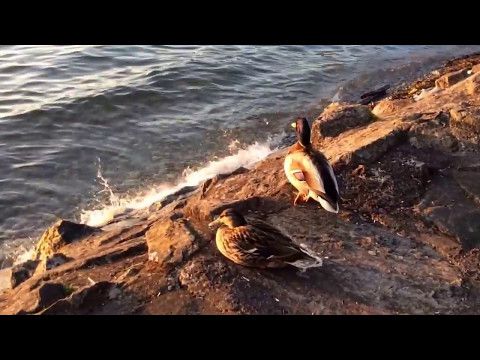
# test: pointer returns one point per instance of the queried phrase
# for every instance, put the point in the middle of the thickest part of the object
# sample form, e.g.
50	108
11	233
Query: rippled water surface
136	117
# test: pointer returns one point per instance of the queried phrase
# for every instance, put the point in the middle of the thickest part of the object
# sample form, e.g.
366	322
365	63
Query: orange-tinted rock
365	145
170	241
5	279
63	232
450	79
476	69
473	84
388	107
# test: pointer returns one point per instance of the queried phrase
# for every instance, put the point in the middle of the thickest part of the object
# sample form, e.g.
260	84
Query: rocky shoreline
406	240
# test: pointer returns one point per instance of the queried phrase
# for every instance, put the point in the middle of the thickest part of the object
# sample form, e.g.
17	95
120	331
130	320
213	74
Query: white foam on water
243	157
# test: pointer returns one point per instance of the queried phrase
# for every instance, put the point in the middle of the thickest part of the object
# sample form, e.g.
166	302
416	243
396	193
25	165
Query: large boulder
337	118
63	232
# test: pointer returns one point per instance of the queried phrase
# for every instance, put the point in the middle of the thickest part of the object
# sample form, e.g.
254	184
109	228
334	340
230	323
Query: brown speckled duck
257	244
309	171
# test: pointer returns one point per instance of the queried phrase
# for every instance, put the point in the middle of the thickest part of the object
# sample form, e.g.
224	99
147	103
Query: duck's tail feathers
310	260
333	208
325	202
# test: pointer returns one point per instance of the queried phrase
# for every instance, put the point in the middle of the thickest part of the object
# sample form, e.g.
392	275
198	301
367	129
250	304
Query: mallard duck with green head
309	172
258	244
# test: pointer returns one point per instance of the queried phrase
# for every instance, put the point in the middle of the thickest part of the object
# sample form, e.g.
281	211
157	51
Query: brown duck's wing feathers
253	244
272	231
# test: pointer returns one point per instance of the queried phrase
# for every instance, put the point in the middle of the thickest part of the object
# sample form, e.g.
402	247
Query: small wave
244	157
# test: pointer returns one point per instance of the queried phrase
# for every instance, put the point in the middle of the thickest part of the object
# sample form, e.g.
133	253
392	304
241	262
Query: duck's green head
303	131
229	218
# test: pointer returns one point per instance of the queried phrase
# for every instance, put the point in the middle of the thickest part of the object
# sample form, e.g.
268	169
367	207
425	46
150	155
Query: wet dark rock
56	260
374	95
465	123
82	300
49	293
469	182
23	271
433	135
446	205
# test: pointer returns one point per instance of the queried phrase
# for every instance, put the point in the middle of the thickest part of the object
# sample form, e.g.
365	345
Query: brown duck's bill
214	224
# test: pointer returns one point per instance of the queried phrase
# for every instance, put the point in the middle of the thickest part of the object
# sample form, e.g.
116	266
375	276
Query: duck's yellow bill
294	125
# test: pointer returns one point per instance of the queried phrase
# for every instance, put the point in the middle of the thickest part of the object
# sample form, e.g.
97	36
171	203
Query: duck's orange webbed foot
300	196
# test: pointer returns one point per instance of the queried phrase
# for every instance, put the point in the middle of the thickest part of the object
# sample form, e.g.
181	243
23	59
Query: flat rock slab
446	205
170	241
366	144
